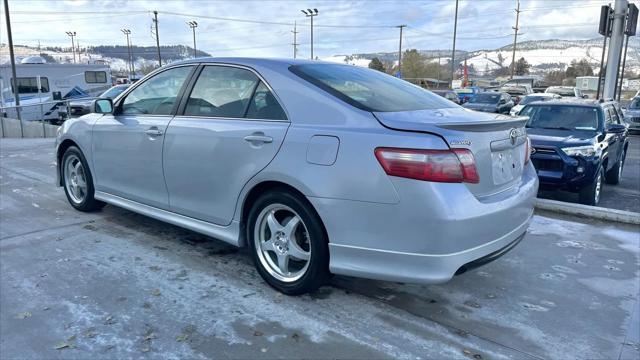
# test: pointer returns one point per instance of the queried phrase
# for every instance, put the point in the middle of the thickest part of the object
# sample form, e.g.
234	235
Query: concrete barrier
32	129
592	212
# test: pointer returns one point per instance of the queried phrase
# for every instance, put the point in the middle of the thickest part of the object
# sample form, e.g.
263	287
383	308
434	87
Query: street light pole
72	34
453	53
400	52
193	25
311	13
127	32
515	38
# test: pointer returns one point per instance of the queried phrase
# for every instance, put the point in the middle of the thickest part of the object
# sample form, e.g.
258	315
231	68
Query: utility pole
72	34
127	32
629	30
615	47
295	39
193	25
155	22
13	65
515	38
400	52
453	53
311	14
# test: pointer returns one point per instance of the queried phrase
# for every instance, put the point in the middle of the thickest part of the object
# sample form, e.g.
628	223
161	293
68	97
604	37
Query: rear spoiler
501	123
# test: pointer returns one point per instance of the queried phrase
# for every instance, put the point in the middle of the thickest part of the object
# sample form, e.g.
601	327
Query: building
631	84
589	83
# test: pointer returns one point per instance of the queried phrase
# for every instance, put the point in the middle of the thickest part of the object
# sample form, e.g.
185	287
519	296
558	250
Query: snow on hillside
351	60
550	55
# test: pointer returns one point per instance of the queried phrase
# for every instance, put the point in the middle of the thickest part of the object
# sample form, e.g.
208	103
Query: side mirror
102	106
616	128
502	101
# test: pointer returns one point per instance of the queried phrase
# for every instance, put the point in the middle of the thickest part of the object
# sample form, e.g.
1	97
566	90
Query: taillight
527	151
452	166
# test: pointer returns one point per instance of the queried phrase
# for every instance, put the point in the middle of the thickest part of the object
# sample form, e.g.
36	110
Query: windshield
370	90
635	104
486	98
561	117
530	99
561	91
113	92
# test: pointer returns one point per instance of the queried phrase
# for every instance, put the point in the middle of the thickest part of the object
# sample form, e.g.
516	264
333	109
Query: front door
231	127
127	146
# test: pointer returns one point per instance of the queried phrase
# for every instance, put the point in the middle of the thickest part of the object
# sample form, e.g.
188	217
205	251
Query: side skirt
229	234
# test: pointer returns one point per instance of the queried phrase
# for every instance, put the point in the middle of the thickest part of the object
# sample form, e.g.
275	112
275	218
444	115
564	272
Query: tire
78	182
614	174
590	195
279	256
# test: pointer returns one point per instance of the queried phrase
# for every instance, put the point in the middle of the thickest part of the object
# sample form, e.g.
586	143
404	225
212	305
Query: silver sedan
317	168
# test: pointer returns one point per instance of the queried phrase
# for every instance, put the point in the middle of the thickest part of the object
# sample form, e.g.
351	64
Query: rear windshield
486	98
530	99
561	117
562	92
370	90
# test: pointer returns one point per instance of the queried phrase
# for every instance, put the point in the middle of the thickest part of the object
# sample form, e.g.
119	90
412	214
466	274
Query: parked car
316	167
531	98
577	145
83	106
566	91
466	94
517	92
448	94
495	102
632	114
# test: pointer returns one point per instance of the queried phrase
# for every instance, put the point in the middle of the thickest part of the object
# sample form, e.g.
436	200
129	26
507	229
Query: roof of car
576	101
248	61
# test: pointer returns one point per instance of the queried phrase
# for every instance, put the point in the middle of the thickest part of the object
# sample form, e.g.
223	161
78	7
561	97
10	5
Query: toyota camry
318	168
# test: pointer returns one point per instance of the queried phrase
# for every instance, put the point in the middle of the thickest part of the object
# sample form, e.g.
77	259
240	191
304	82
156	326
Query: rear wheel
614	174
590	195
78	182
288	243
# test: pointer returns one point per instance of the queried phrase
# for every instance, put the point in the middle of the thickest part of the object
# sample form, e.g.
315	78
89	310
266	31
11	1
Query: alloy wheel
75	180
282	242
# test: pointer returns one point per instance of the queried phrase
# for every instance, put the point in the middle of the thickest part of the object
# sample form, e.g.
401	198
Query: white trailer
43	83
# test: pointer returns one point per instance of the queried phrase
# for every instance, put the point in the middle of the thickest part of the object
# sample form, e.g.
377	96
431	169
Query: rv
39	82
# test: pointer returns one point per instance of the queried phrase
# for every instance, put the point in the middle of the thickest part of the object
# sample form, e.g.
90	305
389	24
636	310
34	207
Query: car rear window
369	90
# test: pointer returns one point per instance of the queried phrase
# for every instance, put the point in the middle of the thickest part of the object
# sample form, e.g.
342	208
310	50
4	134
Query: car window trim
183	104
118	106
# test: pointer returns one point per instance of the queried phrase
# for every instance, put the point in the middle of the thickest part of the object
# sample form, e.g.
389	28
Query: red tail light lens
452	166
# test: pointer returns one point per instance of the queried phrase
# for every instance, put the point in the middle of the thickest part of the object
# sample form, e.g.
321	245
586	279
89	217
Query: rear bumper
418	268
429	235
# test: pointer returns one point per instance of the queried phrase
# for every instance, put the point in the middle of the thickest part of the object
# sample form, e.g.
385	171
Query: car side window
221	91
607	115
264	105
157	95
614	116
617	109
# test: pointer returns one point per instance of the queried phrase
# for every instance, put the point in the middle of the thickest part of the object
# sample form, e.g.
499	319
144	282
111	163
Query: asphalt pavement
114	284
623	196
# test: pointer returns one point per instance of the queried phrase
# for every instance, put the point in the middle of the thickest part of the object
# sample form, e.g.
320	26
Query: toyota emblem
513	136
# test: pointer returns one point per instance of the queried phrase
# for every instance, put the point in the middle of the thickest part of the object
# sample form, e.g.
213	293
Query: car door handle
258	138
154	132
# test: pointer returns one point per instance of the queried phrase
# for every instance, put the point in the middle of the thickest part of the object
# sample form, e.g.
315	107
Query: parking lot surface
114	284
625	195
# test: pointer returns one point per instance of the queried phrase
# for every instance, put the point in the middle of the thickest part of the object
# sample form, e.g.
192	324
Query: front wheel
78	182
590	195
614	174
288	242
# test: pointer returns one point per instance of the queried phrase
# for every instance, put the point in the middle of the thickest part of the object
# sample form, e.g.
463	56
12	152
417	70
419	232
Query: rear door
613	140
127	146
231	126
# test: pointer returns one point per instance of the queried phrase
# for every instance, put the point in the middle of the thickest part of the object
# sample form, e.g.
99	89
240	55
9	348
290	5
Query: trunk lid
498	142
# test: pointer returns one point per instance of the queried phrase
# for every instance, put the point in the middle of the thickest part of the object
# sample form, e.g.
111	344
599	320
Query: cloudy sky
263	28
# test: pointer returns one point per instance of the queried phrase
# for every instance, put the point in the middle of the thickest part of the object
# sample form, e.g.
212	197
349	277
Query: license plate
507	165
